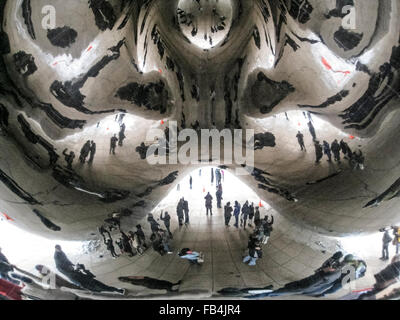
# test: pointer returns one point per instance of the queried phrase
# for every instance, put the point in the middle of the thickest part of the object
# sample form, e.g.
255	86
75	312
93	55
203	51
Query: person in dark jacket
236	213
386	240
245	214
251	214
167	222
300	139
335	147
141	236
186	210
208	198
92	151
154	225
228	213
113	144
218	194
180	212
69	158
63	264
327	150
318	152
254	251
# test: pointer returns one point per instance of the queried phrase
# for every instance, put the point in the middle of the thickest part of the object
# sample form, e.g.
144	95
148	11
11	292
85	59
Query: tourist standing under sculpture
245	214
300	139
318	152
69	158
218	194
228	213
92	151
327	150
386	240
167	222
335	147
236	213
113	144
180	212
209	199
186	210
255	251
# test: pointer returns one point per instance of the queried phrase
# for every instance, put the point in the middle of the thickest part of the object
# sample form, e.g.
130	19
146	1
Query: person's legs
253	262
246	259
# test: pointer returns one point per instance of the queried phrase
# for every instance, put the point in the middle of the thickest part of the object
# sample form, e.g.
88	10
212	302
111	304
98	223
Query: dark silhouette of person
167	222
300	139
69	158
63	264
92	151
212	175
386	240
152	283
209	199
345	149
335	147
228	213
84	152
191	182
218	176
180	212
126	244
318	151
141	236
251	213
218	194
186	210
327	150
113	144
312	131
245	214
121	135
236	213
154	225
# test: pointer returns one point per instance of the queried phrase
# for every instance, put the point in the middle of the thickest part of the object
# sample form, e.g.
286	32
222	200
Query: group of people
88	150
356	159
130	243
